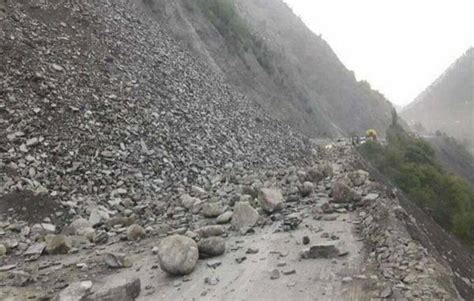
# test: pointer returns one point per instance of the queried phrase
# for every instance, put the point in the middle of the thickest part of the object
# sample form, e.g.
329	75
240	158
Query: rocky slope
448	104
301	81
123	156
322	232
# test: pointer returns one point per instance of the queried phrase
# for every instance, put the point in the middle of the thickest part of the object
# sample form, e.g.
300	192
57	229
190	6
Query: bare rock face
245	216
271	200
210	247
178	255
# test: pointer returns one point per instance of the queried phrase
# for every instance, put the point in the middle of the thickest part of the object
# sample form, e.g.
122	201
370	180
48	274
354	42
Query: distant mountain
265	50
447	105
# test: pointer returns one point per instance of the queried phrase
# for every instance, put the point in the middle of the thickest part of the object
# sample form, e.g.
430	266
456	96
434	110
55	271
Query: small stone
211	280
306	240
241	259
323	250
289	272
214	263
135	232
346	279
252	251
208	231
225	217
275	274
116	261
57	67
3	250
386	293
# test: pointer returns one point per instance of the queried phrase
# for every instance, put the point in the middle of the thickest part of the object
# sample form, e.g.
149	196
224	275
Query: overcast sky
399	46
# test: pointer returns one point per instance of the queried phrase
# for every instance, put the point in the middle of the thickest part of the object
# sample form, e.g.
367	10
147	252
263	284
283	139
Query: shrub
410	163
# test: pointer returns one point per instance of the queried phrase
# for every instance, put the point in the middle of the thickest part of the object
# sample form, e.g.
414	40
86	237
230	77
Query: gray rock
135	232
275	274
3	250
80	227
314	175
306	189
57	244
178	255
386	293
271	200
74	292
342	193
98	216
326	169
323	250
188	201
211	247
210	210
359	177
212	230
245	216
35	249
116	261
225	217
118	289
43	229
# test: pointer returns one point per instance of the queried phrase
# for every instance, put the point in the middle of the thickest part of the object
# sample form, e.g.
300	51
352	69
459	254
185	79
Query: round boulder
178	255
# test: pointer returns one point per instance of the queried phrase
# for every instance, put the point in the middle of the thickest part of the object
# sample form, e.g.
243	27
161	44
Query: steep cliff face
283	66
448	104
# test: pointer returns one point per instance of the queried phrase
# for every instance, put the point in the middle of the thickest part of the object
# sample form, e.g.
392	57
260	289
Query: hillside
265	50
131	169
448	104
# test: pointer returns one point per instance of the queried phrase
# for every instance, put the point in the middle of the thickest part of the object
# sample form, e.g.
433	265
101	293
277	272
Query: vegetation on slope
225	18
411	164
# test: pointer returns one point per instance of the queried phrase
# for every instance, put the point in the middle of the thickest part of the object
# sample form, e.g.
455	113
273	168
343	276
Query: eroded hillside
271	56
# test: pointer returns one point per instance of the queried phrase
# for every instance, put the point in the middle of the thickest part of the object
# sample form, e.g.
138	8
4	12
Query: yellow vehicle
371	134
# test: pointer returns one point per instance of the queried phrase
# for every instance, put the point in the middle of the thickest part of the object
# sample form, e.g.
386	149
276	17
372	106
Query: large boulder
118	289
314	175
359	177
245	216
271	200
306	188
57	244
210	247
342	193
135	232
178	255
80	227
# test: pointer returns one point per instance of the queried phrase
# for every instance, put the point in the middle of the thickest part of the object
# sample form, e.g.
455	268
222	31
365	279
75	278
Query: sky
399	46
